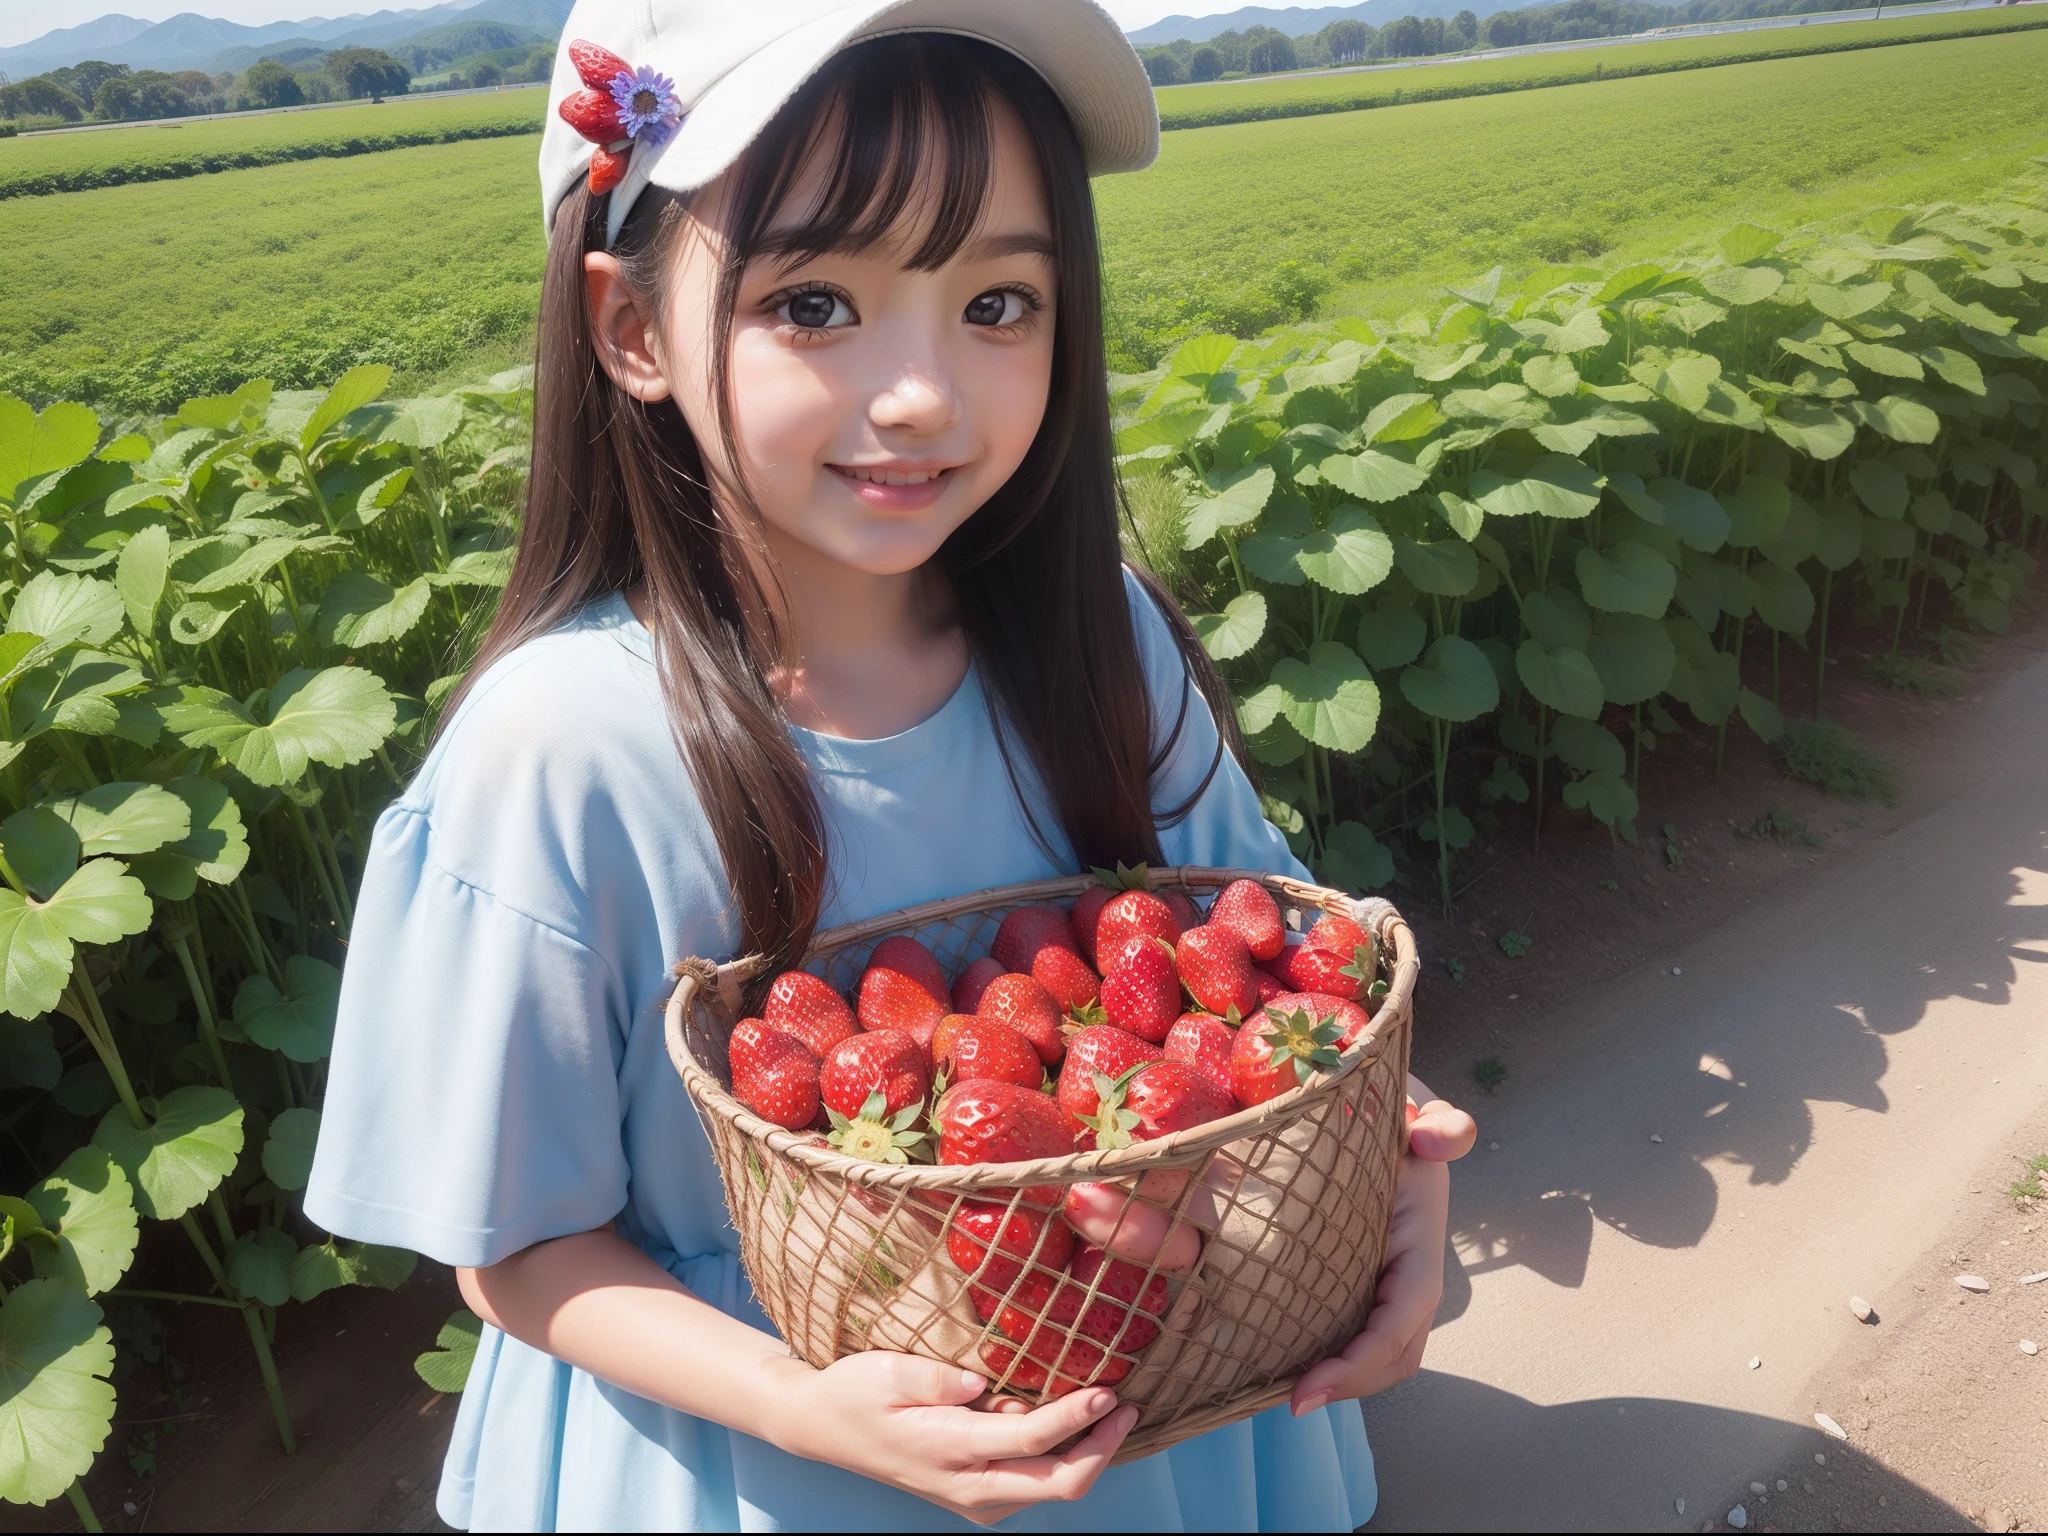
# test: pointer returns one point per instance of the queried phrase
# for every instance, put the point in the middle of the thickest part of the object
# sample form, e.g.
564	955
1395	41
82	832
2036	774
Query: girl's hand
1397	1328
905	1421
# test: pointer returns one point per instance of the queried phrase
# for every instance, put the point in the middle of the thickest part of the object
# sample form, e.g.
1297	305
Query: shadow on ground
1651	1452
1770	1023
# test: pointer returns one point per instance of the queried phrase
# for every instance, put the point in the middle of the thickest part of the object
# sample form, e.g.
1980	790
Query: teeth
877	476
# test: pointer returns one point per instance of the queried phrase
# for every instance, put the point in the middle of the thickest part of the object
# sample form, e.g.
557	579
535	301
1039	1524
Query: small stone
1658	1140
1819	1460
129	1509
1738	1517
1493	1146
2034	1279
1679	1504
1975	1283
1783	1486
2029	1347
1757	1488
1829	1426
1861	1308
1807	1485
1998	1520
1675	971
1755	1361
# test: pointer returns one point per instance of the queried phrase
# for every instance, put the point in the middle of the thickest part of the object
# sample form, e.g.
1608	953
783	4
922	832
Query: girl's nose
919	401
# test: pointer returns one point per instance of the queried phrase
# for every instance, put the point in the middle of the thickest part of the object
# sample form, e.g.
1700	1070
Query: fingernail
1320	1400
1101	1402
1129	1416
970	1382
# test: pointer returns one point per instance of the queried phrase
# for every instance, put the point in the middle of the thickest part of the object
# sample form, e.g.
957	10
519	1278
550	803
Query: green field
139	296
1376	208
70	162
1198	106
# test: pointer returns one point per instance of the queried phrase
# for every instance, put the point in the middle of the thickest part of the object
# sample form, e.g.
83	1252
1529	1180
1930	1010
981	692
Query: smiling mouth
881	474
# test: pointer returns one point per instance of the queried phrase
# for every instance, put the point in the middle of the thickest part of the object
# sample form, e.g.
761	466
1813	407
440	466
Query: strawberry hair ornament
619	109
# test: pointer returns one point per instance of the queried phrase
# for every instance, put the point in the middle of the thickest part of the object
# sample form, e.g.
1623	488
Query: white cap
736	62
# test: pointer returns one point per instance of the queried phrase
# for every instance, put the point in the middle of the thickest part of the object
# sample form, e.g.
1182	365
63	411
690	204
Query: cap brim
1074	44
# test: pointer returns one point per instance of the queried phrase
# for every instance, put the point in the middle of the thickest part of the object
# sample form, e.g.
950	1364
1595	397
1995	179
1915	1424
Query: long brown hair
619	497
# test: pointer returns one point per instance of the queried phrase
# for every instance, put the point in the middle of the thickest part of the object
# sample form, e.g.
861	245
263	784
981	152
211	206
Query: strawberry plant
1499	546
222	637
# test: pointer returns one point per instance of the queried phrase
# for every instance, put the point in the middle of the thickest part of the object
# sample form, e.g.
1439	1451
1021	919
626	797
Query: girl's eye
999	306
815	309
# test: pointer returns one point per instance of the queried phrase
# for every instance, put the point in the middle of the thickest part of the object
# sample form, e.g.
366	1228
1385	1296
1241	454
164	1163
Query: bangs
900	134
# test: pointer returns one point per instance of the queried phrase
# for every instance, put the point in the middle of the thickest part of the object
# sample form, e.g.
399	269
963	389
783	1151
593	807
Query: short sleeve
472	1105
1224	825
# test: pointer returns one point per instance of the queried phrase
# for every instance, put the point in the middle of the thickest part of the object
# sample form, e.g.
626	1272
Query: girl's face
874	408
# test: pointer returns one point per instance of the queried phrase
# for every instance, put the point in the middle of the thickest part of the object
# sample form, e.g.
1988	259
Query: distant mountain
192	41
1297	20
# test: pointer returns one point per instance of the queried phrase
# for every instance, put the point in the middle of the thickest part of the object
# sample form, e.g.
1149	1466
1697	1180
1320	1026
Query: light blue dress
499	1077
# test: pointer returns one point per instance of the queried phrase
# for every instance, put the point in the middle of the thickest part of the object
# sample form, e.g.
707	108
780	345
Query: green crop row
77	162
1239	228
221	640
1206	106
136	297
1487	554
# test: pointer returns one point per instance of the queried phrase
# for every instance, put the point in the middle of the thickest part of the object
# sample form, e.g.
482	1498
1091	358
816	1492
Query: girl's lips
887	488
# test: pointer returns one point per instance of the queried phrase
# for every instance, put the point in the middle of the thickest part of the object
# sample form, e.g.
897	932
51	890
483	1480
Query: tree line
1267	50
95	90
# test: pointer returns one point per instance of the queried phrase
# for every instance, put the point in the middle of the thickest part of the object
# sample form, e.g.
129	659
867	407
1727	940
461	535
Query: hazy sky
21	20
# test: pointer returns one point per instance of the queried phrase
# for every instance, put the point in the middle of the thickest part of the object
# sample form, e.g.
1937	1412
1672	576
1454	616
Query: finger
1107	1216
1055	1477
1367	1355
914	1380
1011	1436
989	1402
1442	1132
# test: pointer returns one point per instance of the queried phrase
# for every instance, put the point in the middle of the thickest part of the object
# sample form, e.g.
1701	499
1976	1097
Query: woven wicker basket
1291	1198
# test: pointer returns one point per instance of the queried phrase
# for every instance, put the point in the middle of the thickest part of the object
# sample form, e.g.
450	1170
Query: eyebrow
1021	243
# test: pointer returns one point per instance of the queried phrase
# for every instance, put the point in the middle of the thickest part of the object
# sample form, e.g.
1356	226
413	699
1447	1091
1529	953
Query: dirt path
1838	1082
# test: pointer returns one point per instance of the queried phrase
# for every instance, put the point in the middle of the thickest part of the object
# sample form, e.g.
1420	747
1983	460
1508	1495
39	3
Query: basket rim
718	986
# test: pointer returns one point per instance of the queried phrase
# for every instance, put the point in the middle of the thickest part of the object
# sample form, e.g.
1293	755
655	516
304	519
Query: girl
818	612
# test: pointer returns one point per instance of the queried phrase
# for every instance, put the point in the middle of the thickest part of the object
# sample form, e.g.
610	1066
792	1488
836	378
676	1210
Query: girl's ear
622	329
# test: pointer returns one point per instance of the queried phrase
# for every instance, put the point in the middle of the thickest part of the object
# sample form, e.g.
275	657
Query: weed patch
1779	825
1823	754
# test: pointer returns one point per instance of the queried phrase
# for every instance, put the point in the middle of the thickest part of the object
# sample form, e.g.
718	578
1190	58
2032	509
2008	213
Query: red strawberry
1216	968
1205	1043
996	1122
1029	1009
596	66
972	982
1350	1018
773	1074
1086	914
1281	1049
1142	994
1023	1375
884	1061
981	1049
1114	955
805	1006
997	1246
1246	907
1131	915
1269	985
1185	912
1337	958
1039	942
1100	1050
903	988
594	115
607	170
1170	1096
1332	931
1115	1320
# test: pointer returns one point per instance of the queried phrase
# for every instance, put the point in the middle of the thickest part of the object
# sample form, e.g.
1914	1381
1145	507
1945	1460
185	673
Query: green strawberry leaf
1453	681
124	818
56	1404
140	573
351	392
1330	698
446	1367
333	1263
259	1265
334	717
100	903
175	1162
298	1021
62	609
88	1205
359	609
41	847
288	1151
